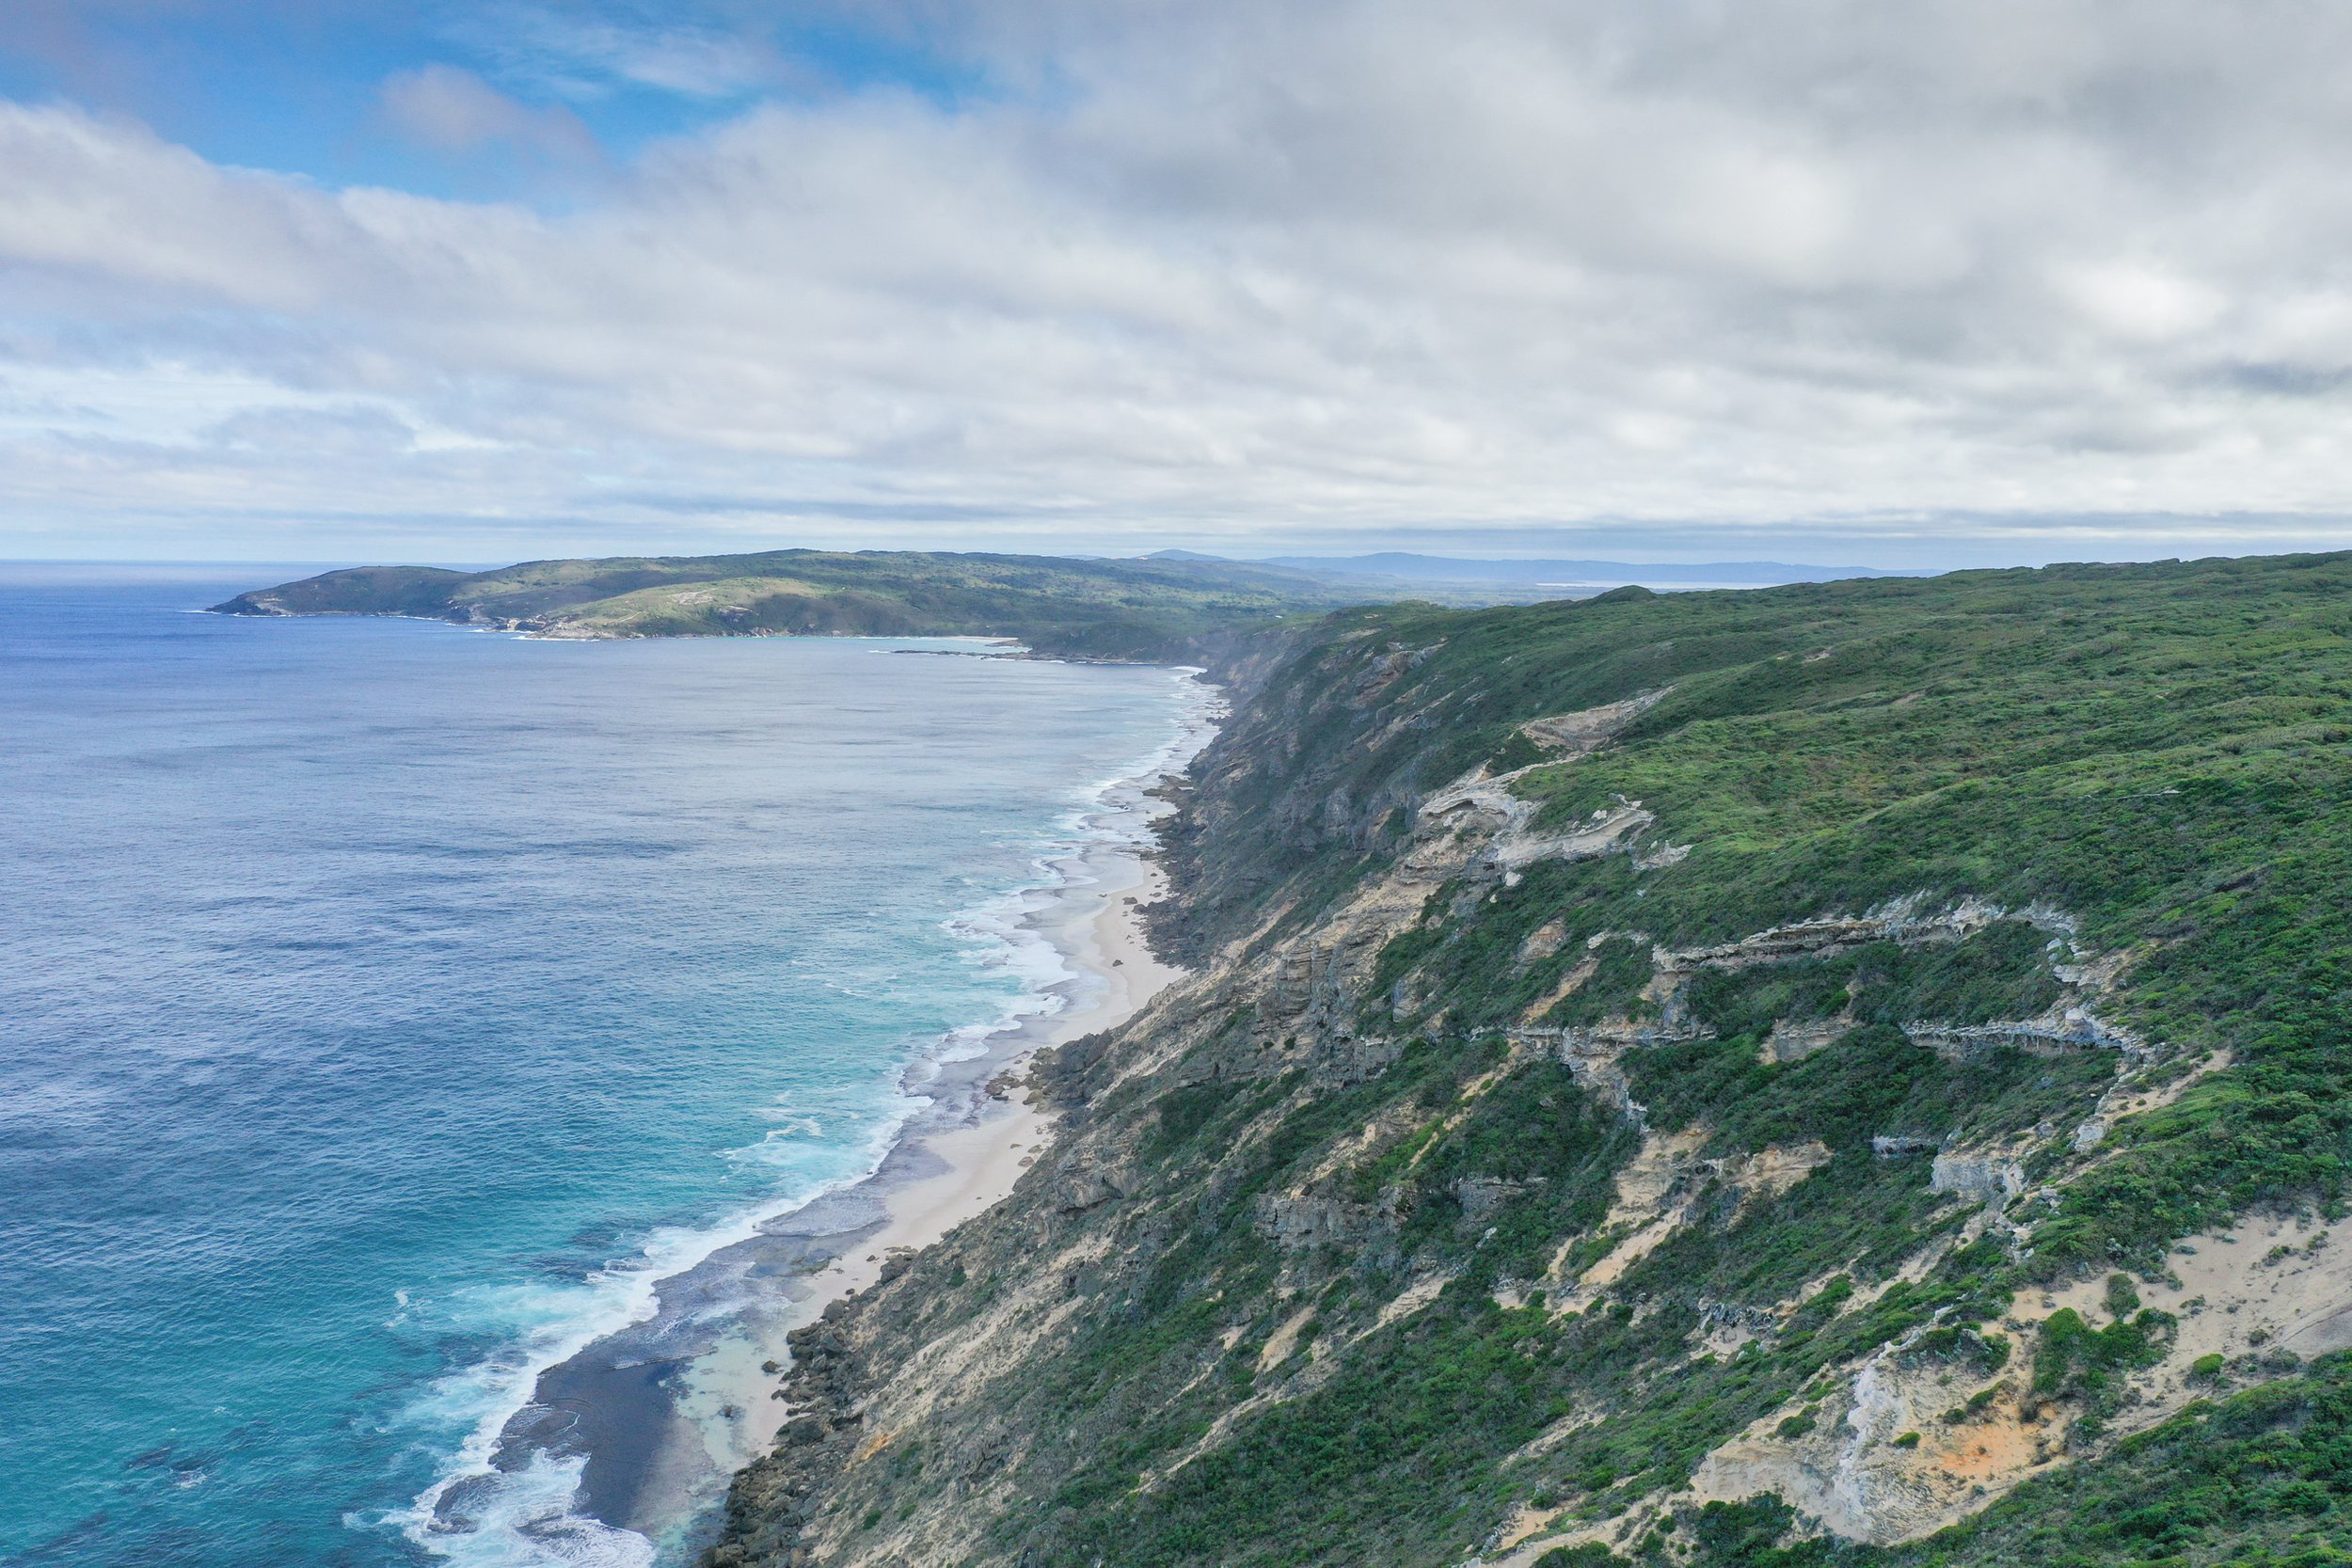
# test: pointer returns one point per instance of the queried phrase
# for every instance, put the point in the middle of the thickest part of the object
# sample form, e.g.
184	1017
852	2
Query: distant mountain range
1561	579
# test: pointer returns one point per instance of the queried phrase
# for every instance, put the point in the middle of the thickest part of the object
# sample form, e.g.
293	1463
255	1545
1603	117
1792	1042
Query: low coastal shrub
2138	770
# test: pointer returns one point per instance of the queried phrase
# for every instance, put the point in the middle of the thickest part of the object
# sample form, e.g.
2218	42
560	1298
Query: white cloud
2139	302
575	52
1265	273
452	110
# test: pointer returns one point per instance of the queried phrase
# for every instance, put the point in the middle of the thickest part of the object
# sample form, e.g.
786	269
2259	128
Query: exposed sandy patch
1525	1523
1526	1552
1315	1374
1554	1435
1544	940
1773	1169
1463	1102
1561	993
1419	1294
1988	1452
1283	1340
1637	1214
2258	1290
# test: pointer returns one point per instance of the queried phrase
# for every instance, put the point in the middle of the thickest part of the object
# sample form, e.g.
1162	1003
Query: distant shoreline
1144	612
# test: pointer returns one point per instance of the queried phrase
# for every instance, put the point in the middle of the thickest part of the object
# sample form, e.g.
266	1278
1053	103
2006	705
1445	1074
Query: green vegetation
2157	750
2260	1479
2144	770
1117	609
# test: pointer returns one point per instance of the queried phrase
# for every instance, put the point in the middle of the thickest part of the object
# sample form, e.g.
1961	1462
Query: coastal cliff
1842	1073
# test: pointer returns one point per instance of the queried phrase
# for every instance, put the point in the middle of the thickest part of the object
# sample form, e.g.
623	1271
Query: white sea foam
524	1518
528	1522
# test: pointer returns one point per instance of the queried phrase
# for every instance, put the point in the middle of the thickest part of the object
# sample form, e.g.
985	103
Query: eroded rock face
2058	1033
1591	1054
1575	735
1611	829
1086	1186
1482	1197
1304	1221
1898	1145
1485	807
1881	1463
1988	1177
1794	1042
1316	988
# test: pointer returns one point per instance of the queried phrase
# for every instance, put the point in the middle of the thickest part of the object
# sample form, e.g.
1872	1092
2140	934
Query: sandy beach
660	1415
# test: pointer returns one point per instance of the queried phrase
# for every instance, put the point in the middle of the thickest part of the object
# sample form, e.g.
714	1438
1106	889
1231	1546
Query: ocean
385	1008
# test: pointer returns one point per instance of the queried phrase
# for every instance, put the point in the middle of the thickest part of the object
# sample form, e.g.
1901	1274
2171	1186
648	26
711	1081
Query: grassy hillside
1848	1073
1082	609
2159	751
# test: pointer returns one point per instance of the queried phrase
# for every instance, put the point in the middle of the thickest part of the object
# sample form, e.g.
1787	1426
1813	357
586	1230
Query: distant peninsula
1120	610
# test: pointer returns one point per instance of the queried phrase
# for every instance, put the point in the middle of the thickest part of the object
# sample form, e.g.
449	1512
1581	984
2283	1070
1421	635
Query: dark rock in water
549	1427
605	1405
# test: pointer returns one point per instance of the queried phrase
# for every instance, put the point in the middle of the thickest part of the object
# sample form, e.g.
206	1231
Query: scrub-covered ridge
1846	1073
1120	610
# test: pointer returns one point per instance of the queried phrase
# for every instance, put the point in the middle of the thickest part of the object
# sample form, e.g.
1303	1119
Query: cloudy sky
1904	285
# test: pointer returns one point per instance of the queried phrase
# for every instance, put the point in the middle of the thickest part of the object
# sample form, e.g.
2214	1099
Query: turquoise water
384	1006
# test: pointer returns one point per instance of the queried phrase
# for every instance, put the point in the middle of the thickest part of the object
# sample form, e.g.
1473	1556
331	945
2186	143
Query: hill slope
1086	609
1850	1073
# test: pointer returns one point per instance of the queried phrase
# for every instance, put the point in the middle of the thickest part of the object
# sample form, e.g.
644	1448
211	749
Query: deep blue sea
383	1006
